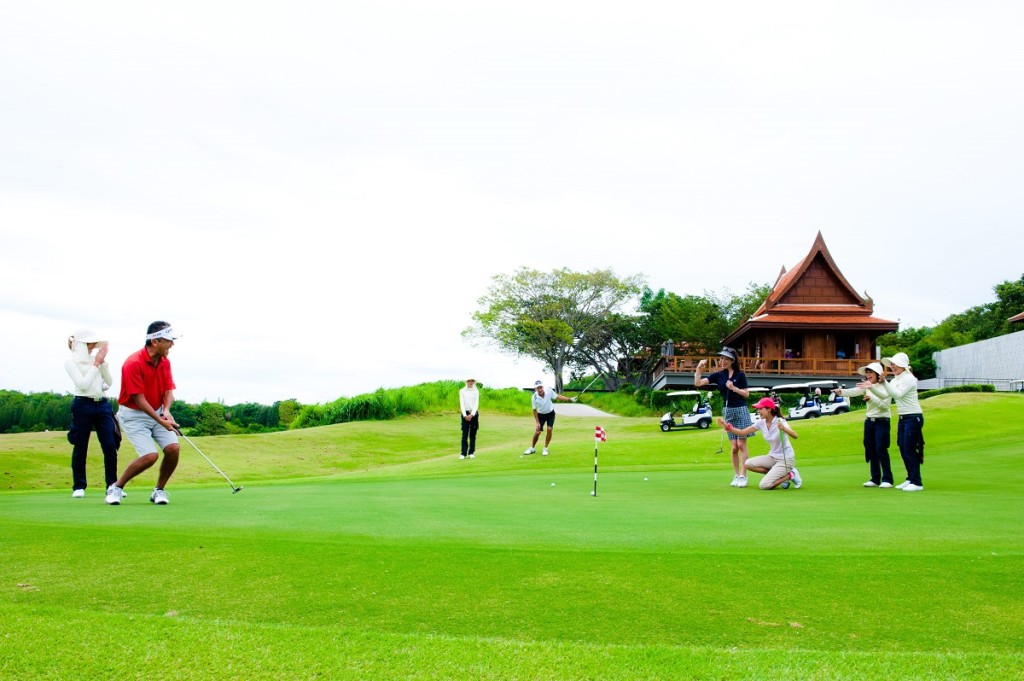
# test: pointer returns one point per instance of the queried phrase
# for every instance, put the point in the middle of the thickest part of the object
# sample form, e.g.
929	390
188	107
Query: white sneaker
797	480
885	485
785	485
911	487
159	497
903	484
871	484
114	494
472	456
735	481
462	456
545	452
742	482
78	494
530	450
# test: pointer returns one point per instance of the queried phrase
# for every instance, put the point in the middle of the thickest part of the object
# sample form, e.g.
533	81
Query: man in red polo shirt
145	412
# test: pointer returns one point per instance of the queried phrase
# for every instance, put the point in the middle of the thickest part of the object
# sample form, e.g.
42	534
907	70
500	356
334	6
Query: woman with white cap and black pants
90	409
732	384
877	431
909	434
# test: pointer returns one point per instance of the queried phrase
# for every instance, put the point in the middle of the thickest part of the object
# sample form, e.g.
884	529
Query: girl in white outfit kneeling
779	465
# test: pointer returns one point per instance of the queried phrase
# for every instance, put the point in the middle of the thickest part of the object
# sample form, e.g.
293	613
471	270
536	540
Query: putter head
236	490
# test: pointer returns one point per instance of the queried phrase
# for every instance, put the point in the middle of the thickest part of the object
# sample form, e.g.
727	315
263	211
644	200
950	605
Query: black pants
469	429
909	439
87	415
876	449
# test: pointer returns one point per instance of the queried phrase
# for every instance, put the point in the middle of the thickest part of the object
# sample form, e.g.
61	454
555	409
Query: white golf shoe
114	495
797	480
870	484
886	485
78	494
911	487
735	481
903	484
159	497
545	452
742	482
530	450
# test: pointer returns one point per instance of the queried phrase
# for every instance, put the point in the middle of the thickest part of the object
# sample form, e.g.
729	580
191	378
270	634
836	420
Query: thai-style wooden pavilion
813	326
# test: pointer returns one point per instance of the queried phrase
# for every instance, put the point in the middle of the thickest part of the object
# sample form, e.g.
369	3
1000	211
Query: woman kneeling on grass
779	465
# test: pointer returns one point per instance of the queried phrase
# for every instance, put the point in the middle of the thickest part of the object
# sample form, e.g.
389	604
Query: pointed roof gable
814	294
1017	318
815	280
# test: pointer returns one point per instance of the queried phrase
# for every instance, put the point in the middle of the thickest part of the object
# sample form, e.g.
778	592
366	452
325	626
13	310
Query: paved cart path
580	410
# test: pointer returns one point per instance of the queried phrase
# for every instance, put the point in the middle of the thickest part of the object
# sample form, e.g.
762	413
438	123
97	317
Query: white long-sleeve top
877	407
903	390
89	380
469	401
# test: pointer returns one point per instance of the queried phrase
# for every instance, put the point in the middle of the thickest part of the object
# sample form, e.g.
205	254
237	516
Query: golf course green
369	550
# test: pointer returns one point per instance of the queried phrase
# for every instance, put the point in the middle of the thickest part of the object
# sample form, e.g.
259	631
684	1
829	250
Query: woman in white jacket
876	426
90	409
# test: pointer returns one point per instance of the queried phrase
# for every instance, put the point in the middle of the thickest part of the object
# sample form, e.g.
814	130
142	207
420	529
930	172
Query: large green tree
699	322
546	315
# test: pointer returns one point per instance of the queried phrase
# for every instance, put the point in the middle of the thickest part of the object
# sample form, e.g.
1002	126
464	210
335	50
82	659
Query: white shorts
142	430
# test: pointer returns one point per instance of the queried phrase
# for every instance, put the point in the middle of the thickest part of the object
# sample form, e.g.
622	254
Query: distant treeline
36	412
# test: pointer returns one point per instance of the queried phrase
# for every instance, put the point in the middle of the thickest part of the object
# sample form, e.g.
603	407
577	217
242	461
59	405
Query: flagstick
594	493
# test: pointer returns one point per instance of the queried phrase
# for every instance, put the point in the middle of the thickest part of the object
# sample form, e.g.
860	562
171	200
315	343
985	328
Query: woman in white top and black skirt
90	409
732	384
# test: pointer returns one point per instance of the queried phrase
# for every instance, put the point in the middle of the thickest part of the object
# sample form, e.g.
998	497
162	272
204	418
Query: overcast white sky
317	193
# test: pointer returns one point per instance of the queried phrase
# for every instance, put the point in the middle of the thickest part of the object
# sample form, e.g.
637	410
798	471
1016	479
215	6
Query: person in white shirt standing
877	432
909	433
469	409
544	414
90	409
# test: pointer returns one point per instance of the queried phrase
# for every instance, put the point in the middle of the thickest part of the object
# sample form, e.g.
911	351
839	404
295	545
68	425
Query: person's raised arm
699	382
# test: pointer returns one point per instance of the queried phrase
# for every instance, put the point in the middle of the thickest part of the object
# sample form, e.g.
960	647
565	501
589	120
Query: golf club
234	489
588	386
721	443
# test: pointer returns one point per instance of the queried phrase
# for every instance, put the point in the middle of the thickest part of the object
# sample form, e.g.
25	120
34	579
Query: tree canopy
545	315
978	323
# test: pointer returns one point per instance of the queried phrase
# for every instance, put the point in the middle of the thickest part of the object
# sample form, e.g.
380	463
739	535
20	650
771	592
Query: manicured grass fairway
370	551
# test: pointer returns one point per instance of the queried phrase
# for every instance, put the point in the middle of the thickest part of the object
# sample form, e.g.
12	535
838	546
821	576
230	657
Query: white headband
166	332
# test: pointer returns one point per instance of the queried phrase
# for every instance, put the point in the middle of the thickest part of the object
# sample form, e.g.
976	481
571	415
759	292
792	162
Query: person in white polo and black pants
469	410
876	426
90	409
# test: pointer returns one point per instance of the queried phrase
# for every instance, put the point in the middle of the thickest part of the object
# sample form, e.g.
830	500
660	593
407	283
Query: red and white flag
599	434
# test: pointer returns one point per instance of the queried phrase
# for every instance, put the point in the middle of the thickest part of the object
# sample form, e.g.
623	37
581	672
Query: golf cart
833	404
809	406
699	415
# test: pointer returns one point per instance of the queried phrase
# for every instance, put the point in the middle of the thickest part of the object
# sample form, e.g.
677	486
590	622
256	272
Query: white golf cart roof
790	387
815	384
682	393
758	390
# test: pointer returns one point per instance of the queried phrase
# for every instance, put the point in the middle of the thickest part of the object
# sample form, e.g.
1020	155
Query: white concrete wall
999	361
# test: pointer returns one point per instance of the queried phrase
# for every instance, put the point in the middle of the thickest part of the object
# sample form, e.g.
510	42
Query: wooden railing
803	366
